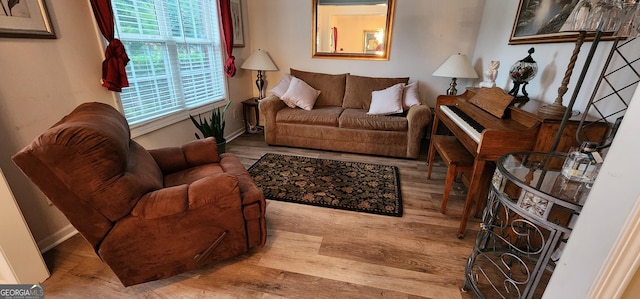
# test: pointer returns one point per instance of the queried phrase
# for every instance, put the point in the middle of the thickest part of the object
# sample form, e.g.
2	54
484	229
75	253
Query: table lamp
259	61
456	66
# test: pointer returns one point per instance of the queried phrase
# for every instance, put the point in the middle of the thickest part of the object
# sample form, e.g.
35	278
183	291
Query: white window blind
175	53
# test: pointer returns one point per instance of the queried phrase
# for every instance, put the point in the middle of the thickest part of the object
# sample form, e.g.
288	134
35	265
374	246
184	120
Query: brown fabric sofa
148	214
339	119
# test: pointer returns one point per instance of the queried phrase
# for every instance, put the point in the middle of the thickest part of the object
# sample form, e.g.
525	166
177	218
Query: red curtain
227	33
335	39
114	76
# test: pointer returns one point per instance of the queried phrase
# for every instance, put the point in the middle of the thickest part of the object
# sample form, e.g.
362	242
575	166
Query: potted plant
214	127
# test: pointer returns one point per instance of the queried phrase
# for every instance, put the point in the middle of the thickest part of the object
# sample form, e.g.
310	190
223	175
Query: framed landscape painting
539	21
26	18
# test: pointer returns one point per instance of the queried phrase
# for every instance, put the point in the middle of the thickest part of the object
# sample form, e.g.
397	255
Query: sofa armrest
219	189
418	117
269	107
194	153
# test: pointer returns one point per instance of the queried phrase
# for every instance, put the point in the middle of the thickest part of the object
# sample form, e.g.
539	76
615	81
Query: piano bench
455	156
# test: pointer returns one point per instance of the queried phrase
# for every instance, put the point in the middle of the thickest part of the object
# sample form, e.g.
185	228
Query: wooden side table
246	106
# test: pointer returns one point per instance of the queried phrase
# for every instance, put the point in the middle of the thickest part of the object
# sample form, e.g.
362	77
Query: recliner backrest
90	168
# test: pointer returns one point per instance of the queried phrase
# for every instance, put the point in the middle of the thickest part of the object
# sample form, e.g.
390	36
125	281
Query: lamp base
553	111
452	87
260	85
516	90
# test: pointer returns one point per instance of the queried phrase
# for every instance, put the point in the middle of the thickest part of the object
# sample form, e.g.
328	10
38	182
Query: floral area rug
354	186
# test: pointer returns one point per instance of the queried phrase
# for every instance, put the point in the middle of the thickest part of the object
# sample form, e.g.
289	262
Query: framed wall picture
371	42
238	30
540	22
26	18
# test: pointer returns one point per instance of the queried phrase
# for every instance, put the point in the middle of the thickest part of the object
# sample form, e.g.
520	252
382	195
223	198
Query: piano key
468	119
466	125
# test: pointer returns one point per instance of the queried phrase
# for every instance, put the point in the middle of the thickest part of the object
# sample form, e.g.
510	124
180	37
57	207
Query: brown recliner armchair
148	214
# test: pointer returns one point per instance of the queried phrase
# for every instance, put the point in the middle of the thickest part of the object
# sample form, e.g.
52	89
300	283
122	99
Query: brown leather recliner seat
148	214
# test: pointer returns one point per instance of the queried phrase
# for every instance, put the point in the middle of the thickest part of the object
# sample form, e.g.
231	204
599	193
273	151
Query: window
175	54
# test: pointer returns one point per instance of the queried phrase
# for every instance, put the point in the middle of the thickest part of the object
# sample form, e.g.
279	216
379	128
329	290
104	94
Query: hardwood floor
311	252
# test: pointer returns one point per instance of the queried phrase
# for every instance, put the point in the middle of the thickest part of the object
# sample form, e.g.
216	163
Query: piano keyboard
466	123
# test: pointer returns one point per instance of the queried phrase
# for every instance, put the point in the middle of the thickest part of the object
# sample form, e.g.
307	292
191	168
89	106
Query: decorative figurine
521	73
490	75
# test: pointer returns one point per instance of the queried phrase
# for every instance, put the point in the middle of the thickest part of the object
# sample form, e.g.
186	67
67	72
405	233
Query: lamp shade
457	66
259	61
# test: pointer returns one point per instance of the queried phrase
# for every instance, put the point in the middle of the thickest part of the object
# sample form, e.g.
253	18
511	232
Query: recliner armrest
248	188
194	153
162	202
219	189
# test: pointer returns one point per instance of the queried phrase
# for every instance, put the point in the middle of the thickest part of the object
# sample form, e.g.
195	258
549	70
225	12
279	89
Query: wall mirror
352	29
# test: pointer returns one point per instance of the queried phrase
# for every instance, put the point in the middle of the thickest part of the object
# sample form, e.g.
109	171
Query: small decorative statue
490	75
521	73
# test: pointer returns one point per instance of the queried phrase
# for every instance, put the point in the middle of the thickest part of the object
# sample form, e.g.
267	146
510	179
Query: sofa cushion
331	87
300	94
322	116
358	89
387	101
359	119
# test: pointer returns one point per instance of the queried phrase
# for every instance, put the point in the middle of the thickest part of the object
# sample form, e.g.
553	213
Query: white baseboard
235	134
58	237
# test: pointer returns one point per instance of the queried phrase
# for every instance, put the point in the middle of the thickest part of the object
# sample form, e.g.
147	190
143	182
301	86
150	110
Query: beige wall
42	80
425	34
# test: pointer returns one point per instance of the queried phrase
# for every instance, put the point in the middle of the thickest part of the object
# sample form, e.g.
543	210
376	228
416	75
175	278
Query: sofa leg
202	256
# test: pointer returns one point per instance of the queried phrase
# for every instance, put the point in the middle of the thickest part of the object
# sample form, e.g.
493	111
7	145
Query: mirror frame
361	56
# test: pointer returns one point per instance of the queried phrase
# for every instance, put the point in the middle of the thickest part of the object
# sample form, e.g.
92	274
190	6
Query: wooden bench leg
448	183
472	192
432	154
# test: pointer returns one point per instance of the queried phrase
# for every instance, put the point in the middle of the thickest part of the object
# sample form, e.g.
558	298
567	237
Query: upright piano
489	125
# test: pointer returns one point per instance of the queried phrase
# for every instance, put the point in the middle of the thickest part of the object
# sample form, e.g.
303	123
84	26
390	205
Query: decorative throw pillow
282	86
387	101
357	92
410	96
300	94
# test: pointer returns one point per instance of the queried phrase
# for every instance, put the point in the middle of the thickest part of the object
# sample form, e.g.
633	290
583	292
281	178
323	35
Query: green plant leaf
214	126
